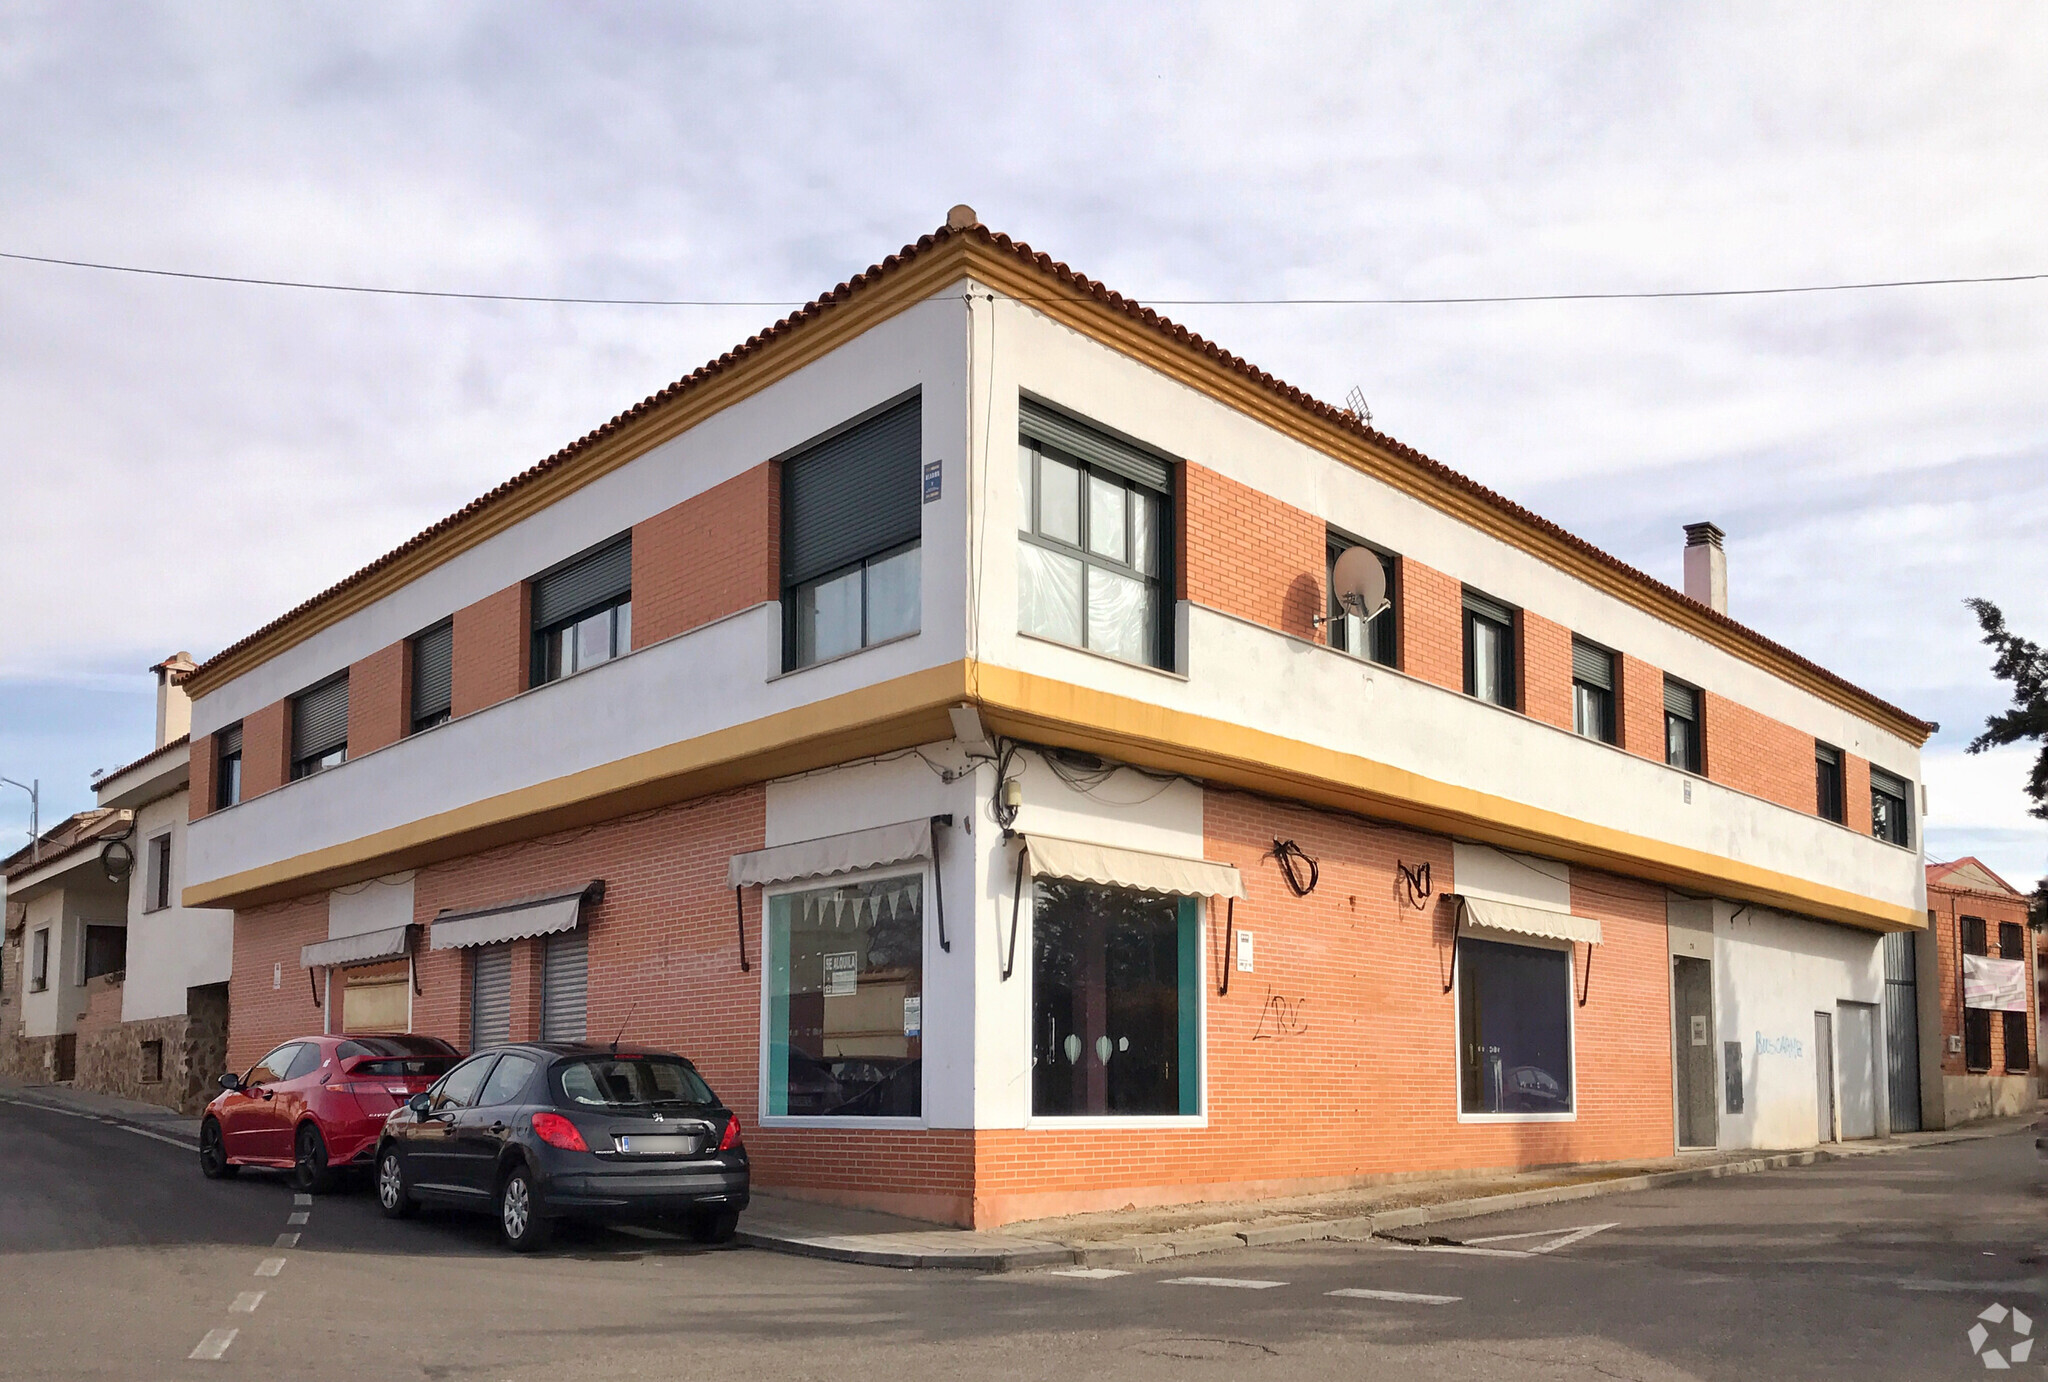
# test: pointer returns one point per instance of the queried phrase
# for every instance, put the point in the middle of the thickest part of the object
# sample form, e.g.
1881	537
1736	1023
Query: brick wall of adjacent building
709	556
493	654
1249	554
377	695
1949	906
1429	625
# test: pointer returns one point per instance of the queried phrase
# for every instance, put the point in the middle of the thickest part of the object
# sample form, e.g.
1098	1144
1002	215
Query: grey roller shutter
228	741
564	984
490	997
1593	666
853	496
1886	783
1681	700
584	584
320	719
1041	423
433	672
1489	609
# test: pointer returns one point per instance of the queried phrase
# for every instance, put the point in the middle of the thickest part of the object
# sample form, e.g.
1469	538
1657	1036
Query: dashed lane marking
286	1240
302	1200
210	1348
295	1220
1398	1297
246	1303
1241	1283
270	1266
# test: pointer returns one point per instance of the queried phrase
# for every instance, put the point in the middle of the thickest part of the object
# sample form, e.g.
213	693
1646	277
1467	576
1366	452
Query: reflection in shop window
846	1000
1514	1029
1114	1001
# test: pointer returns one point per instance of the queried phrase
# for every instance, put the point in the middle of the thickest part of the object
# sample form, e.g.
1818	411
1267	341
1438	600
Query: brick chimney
173	706
1706	566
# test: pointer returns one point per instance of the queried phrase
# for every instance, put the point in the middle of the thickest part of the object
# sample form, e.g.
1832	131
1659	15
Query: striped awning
1173	874
515	920
1529	921
364	948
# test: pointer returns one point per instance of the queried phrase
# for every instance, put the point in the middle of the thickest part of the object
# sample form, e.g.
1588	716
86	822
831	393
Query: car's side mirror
231	1081
420	1103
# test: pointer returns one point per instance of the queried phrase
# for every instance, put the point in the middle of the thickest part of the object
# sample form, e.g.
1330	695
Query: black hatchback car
539	1132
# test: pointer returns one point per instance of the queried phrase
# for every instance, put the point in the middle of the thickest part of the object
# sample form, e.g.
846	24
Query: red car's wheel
310	1171
213	1152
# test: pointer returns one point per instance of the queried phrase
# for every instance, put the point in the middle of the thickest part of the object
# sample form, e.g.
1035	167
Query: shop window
564	970
1115	1002
845	980
1489	650
490	996
1592	691
1371	639
375	998
1977	1039
2016	1057
1514	1028
1891	812
1827	783
852	521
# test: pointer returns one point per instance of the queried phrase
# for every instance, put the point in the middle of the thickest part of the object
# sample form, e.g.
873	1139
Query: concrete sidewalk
151	1119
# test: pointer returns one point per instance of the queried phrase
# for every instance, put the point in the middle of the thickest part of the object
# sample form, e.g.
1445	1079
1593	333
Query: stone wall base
179	1071
1972	1098
28	1060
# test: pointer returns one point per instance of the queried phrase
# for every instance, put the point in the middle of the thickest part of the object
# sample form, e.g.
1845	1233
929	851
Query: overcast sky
183	461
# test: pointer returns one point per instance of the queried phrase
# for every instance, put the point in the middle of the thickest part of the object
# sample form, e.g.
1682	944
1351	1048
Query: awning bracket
739	912
1016	903
313	986
1457	925
939	881
1229	944
1586	987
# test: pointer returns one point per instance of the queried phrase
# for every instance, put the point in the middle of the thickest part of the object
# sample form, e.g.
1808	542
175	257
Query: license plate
656	1144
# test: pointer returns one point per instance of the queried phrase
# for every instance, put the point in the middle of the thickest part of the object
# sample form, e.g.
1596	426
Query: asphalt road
117	1260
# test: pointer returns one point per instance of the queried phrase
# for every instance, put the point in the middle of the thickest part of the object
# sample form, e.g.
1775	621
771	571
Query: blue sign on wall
931	480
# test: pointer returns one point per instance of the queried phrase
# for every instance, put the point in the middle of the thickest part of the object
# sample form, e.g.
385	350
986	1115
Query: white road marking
181	1145
1576	1235
1470	1247
96	1118
1399	1297
246	1303
302	1200
210	1348
297	1219
1456	1248
1242	1283
1510	1237
286	1240
1087	1273
270	1266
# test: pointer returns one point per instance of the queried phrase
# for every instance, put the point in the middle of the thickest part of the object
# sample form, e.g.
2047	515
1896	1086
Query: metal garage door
563	985
1902	1029
490	996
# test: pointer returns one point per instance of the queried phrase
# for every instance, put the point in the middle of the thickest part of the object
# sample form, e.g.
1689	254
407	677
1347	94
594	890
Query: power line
1443	301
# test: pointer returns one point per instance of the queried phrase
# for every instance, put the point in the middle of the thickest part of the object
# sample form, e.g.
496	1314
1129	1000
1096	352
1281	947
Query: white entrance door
1856	1068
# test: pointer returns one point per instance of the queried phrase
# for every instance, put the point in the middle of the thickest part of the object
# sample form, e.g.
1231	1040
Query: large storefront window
846	1000
1115	1002
1514	1029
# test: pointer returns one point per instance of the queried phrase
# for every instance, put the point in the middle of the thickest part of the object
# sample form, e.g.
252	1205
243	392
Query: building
933	716
1983	1002
119	987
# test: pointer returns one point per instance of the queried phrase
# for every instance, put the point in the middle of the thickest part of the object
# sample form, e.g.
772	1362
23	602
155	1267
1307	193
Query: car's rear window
629	1082
395	1046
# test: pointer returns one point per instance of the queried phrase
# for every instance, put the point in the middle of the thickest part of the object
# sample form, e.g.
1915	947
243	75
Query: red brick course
1544	678
1639	709
266	749
1250	555
199	801
377	694
1947	907
1754	753
493	653
1856	793
1429	625
709	556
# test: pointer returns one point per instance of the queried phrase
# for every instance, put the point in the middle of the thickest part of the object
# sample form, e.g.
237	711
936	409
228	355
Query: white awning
511	921
1989	982
820	858
364	948
1173	874
1529	921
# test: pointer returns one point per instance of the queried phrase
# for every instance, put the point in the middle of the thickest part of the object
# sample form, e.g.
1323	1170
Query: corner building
934	717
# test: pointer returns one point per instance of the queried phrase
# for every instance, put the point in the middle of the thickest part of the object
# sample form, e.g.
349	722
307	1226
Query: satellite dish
1358	582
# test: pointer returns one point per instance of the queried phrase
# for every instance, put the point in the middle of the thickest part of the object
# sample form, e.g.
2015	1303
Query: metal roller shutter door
564	985
490	997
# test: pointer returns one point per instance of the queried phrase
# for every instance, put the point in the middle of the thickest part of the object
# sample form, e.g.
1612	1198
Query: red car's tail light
732	1135
557	1131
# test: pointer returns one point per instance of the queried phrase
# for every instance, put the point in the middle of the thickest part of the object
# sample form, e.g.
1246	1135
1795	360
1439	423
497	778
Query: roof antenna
1354	404
628	1022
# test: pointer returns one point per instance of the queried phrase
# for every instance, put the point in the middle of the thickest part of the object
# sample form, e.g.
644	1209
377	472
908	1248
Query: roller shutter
1681	700
563	985
490	997
433	673
1041	423
853	496
585	584
320	719
1593	666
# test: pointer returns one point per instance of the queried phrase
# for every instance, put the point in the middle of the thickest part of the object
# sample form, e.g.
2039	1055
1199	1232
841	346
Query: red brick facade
1544	679
1947	907
1247	554
266	749
707	557
493	654
377	696
1429	625
203	768
1756	754
1639	708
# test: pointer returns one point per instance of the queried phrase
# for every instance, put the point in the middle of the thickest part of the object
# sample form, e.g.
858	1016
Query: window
1489	650
307	1062
458	1088
106	951
271	1069
1974	942
152	1071
852	519
1891	817
1592	691
583	612
508	1081
1683	741
2015	1042
374	998
1115	1002
846	1000
2012	941
1092	551
1372	639
1514	1028
1827	783
157	874
320	728
631	1082
433	676
39	961
227	770
1977	1038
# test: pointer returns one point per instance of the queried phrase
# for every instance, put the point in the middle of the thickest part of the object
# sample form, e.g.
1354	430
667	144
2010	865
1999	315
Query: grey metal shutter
1593	666
1489	609
1902	1030
228	741
320	719
433	671
854	495
1681	700
584	584
1886	783
490	996
564	985
1041	423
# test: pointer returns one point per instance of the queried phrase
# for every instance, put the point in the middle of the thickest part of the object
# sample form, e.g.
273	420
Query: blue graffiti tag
1780	1046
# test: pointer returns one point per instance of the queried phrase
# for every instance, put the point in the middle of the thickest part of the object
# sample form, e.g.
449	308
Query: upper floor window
1827	783
1092	551
1592	691
1975	936
852	524
1684	743
157	874
1489	650
227	767
1891	812
1370	638
582	612
39	961
320	727
433	676
2012	941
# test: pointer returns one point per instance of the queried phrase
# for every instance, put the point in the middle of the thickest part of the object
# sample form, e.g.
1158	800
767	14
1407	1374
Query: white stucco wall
176	948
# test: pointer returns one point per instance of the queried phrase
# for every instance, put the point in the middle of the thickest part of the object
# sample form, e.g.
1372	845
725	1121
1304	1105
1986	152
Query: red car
317	1104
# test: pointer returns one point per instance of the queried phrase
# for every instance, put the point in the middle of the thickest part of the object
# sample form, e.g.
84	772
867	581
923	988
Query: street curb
993	1261
155	1128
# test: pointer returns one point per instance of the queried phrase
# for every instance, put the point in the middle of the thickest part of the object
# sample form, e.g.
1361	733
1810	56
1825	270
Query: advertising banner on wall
1993	983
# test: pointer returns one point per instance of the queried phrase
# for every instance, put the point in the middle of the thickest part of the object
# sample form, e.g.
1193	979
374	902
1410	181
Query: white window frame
1571	989
927	945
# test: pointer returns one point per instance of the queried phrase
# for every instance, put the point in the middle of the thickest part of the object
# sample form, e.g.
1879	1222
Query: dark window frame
1976	935
1136	492
793	596
417	721
1475	952
39	960
227	767
2016	1043
1695	760
1484	609
1603	697
1830	793
157	873
331	754
93	960
544	664
2012	941
1893	827
1977	1040
1381	637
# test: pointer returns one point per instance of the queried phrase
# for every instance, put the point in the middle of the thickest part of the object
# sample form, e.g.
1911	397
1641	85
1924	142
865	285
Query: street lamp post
35	814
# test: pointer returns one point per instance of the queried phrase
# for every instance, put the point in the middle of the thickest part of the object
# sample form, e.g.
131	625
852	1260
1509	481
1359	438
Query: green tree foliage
2021	662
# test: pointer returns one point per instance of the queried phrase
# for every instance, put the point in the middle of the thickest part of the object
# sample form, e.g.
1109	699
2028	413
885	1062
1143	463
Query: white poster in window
842	974
1989	982
1244	952
913	1017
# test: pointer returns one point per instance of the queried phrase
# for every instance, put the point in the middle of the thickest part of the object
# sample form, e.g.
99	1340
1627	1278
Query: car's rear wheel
394	1196
714	1225
520	1222
310	1171
213	1152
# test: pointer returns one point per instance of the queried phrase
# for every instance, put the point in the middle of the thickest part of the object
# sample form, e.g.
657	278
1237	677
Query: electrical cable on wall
1292	860
1415	885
